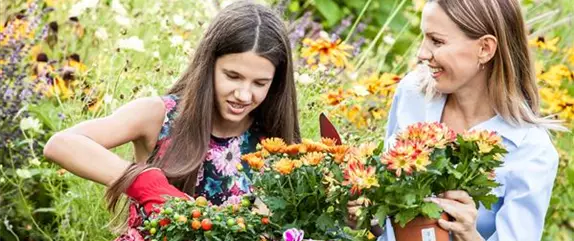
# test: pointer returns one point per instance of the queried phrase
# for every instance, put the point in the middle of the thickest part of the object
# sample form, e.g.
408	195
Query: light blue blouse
527	176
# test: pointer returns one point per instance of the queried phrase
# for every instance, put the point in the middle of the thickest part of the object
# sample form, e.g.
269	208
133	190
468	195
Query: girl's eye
260	84
232	76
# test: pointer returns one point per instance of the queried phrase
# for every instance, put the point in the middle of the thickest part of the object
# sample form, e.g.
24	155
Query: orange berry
195	225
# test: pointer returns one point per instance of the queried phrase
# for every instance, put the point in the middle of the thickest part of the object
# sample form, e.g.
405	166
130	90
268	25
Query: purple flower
293	234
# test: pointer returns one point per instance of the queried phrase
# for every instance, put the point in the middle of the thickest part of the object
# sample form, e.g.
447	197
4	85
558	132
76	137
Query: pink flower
227	159
169	104
293	234
232	200
235	190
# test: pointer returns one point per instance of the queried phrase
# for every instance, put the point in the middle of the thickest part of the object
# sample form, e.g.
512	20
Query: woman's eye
259	84
436	41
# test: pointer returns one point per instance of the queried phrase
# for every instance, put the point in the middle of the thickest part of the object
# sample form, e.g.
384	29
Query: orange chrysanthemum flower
328	141
255	160
313	146
360	177
294	149
273	145
339	153
312	158
406	156
433	135
284	166
486	140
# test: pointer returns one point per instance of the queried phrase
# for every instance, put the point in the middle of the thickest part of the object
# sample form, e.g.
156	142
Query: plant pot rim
421	220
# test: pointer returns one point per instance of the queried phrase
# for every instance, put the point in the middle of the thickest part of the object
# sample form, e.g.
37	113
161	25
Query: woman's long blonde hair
512	80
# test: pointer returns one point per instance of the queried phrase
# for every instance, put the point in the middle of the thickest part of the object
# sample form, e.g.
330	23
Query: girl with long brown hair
238	88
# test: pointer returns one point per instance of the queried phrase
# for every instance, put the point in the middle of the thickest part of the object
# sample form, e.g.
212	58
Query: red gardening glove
150	187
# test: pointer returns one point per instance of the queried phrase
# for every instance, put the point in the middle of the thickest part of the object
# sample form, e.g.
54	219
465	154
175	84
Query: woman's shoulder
536	147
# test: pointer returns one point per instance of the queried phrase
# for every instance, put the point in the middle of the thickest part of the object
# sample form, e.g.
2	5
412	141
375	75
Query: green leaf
439	161
275	203
330	10
410	198
379	149
406	216
381	213
431	210
454	172
324	222
487	200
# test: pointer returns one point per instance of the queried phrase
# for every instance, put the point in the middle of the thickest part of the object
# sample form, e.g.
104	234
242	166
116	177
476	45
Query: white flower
155	54
119	8
101	34
80	7
30	123
35	162
189	26
325	35
108	99
361	90
123	21
178	20
388	39
176	40
304	79
23	173
156	7
133	43
187	47
90	3
354	75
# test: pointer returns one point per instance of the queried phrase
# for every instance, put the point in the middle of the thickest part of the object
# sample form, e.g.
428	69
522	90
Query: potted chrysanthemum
428	159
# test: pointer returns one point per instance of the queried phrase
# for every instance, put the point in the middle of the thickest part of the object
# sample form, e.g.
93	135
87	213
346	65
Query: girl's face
242	82
450	54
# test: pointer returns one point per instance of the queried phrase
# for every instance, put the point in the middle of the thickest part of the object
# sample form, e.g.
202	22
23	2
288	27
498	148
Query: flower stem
357	21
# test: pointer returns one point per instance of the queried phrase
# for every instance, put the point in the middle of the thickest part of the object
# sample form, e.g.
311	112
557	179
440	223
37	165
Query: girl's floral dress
223	178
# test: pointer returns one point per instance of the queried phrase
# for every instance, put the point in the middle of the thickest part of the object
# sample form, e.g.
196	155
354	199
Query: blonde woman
480	75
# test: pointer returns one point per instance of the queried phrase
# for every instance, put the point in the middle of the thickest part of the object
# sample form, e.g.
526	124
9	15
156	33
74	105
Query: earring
480	65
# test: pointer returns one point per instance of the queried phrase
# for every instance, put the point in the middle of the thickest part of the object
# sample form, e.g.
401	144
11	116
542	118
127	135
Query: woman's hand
459	205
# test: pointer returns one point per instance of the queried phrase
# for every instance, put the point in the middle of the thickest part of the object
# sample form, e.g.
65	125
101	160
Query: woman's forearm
85	158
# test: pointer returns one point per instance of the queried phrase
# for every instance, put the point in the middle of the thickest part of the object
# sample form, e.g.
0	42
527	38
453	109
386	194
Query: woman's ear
488	45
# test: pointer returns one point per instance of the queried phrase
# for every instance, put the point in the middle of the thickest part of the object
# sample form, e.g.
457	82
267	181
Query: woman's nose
424	53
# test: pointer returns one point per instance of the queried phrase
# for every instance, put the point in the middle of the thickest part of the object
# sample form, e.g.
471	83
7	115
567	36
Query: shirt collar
514	134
